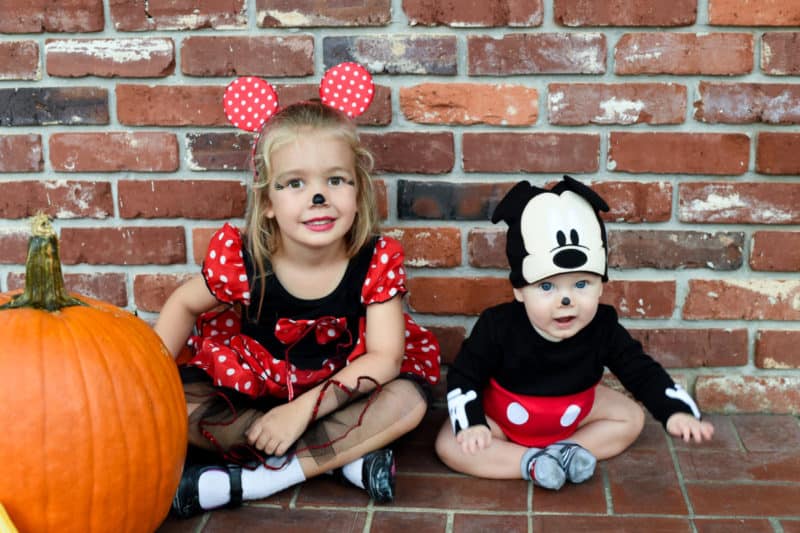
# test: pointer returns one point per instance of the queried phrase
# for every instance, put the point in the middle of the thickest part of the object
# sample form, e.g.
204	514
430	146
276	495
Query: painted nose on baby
565	301
318	199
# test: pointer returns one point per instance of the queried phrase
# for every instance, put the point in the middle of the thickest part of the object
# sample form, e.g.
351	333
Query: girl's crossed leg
395	410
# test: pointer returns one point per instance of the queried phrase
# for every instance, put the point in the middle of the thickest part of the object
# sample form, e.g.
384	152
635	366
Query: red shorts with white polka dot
536	421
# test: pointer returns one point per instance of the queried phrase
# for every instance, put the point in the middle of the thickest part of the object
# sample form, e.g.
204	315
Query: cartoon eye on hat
553	231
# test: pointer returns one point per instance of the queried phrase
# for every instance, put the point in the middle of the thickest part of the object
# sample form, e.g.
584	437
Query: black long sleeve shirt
503	345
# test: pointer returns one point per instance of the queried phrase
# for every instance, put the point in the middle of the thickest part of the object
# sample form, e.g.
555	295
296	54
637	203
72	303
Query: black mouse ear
571	184
510	207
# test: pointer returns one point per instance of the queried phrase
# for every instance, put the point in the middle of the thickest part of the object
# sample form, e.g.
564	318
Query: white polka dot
331	332
222	358
229	322
230	372
229	243
223	278
516	414
212	254
222	260
247	385
392	291
242	277
570	415
390	274
384	258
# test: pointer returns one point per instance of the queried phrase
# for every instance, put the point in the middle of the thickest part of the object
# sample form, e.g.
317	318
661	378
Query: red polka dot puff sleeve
386	276
223	267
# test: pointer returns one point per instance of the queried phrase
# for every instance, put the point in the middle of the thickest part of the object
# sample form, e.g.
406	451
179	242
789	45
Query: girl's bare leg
397	409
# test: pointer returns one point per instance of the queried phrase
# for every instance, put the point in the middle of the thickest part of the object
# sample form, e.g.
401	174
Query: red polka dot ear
249	102
347	87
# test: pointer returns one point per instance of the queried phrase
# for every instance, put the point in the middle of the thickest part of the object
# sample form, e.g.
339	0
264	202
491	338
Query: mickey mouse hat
553	231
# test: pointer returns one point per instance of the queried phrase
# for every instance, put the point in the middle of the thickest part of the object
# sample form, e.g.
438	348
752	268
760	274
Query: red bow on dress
289	332
327	328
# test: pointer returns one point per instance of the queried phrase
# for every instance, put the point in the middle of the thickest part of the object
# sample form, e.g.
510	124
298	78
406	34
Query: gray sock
578	462
542	468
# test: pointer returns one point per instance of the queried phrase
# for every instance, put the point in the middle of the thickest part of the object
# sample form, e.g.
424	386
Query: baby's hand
474	438
689	428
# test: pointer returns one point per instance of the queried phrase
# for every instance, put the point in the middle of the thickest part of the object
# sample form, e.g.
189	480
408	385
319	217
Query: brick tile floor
746	480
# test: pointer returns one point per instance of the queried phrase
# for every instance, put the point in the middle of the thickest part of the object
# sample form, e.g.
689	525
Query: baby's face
560	306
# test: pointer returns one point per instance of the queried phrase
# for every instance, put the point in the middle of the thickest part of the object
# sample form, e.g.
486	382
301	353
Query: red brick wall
682	114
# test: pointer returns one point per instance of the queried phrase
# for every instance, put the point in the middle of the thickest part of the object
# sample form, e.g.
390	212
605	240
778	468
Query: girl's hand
279	428
474	438
689	428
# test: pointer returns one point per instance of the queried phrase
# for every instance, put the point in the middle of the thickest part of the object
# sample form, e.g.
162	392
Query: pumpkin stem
44	283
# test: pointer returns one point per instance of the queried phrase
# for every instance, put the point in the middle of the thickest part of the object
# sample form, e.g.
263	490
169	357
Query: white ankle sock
352	471
263	482
214	487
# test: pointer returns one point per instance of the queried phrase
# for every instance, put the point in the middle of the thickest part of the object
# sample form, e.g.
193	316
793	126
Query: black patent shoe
378	475
186	502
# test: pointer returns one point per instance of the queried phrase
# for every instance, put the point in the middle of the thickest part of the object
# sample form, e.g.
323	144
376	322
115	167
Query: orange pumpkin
92	415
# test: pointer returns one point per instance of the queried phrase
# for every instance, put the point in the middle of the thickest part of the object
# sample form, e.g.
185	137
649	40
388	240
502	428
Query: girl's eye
546	286
294	183
335	181
581	284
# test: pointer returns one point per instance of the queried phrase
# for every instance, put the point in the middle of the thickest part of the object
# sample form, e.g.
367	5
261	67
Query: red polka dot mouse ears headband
249	102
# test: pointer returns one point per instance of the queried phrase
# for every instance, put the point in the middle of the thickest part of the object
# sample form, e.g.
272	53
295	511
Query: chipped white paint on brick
54	184
118	51
769	362
781	106
395	233
776	290
718	206
287	18
24	230
610	163
619	111
420	262
192	163
556	101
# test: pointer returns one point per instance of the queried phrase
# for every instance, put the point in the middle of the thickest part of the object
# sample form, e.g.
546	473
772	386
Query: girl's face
560	306
316	164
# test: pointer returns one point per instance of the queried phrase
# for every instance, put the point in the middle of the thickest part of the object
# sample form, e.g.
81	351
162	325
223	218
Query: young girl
310	364
523	393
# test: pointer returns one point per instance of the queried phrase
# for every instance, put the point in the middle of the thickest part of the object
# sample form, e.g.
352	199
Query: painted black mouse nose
318	199
565	301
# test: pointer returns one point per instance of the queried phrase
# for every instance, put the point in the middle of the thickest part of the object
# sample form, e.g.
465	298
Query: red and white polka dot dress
237	361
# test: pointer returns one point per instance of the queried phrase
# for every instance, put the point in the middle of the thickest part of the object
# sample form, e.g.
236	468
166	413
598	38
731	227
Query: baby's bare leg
500	460
614	422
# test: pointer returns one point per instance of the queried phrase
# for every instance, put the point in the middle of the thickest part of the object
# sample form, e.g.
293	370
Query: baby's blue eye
546	286
581	284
